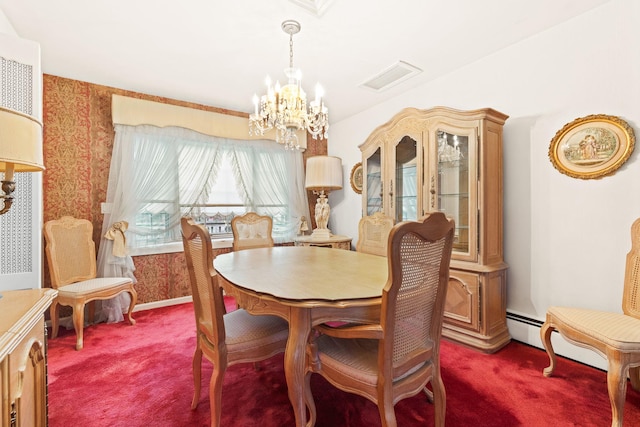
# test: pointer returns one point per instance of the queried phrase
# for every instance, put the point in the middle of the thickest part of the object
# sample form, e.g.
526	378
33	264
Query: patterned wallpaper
78	140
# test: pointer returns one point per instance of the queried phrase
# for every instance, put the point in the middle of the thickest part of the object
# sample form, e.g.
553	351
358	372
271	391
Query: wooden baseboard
163	303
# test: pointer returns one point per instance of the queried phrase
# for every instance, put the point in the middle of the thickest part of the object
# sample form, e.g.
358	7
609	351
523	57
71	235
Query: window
159	175
224	202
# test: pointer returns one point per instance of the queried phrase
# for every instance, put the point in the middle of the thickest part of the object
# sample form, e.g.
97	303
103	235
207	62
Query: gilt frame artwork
356	178
592	147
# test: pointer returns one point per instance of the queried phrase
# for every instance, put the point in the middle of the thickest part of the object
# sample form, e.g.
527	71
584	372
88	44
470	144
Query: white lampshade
20	142
324	173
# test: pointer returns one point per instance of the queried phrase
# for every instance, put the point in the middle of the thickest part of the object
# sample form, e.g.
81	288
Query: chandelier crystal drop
285	107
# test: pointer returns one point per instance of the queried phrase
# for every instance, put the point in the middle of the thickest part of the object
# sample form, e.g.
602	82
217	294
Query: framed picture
592	147
356	178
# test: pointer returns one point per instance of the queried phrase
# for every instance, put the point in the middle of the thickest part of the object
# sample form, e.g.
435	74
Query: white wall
565	238
5	25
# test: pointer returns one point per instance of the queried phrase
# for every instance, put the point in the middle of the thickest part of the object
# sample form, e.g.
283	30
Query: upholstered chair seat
246	333
92	285
615	330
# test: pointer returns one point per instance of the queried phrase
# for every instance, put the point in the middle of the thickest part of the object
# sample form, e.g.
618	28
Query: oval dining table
306	286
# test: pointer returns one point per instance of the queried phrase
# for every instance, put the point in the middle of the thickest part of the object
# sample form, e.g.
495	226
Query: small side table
336	242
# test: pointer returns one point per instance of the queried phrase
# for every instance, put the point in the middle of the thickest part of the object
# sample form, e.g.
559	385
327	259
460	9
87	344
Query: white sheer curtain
145	166
156	170
270	177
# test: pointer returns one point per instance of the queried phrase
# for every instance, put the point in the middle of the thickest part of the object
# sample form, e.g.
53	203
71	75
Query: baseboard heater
524	319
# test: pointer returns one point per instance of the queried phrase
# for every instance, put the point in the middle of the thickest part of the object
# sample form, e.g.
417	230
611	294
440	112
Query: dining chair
373	233
251	230
224	339
71	256
397	357
614	336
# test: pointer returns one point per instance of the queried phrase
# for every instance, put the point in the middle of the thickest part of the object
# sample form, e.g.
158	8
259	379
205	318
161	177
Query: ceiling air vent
398	72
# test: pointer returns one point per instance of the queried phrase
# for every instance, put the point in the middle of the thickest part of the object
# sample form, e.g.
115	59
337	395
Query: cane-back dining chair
251	231
373	233
71	256
399	356
614	336
224	339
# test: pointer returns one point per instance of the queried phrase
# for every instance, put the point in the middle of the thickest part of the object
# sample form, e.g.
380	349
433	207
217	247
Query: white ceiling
218	52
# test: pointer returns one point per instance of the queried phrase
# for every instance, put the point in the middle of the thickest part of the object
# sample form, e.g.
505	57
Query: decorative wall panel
20	241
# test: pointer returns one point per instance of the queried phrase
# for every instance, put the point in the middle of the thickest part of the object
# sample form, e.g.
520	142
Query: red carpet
141	376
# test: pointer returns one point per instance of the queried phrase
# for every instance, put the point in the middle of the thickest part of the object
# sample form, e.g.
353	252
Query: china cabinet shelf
454	195
448	160
447	165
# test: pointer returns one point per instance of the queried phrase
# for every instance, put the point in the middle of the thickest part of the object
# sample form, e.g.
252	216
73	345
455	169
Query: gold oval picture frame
356	178
592	147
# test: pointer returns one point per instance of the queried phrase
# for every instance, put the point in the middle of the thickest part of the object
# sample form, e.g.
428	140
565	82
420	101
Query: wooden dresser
23	357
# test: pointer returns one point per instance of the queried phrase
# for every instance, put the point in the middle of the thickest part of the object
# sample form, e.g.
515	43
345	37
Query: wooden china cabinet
448	160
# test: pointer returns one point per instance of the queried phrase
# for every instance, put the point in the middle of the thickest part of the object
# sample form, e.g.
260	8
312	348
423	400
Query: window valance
133	111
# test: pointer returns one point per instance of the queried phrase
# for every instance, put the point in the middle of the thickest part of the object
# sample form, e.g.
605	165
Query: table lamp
324	174
20	150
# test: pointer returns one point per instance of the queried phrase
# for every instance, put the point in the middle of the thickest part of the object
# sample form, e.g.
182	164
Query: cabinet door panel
28	379
456	190
404	191
461	305
372	191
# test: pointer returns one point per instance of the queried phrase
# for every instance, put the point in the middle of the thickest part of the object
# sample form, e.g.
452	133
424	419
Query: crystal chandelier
448	153
285	108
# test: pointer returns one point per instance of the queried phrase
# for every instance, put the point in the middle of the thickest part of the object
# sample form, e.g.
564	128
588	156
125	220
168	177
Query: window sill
174	247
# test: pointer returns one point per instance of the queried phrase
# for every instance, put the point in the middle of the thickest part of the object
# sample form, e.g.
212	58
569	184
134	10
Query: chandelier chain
290	50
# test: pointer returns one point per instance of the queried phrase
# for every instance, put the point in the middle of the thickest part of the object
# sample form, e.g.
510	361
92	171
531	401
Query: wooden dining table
306	286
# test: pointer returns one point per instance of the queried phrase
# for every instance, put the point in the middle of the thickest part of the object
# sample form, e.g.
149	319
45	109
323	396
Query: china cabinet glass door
456	190
405	205
373	183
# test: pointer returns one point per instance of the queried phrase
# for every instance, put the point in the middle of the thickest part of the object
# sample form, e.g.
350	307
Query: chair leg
545	336
617	386
197	375
386	409
308	398
53	311
215	389
429	394
634	375
92	312
439	397
132	304
78	324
